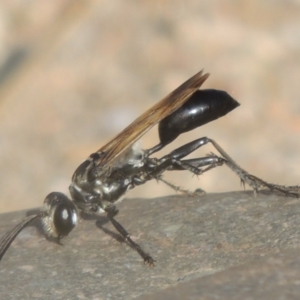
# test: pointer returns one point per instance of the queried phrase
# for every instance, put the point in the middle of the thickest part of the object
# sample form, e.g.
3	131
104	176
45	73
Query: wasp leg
253	181
173	161
194	164
257	183
112	211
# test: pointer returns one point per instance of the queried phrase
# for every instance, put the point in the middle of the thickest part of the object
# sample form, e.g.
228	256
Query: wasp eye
61	215
64	218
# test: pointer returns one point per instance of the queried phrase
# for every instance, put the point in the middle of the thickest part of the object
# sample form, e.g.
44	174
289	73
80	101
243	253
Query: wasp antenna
9	237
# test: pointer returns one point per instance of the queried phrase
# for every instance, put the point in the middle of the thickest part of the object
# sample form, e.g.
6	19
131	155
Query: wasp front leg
112	211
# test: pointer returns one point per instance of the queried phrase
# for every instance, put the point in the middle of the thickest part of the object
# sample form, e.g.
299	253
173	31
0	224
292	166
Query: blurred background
74	73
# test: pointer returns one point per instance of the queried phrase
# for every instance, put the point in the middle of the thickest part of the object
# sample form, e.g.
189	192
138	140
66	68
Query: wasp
107	174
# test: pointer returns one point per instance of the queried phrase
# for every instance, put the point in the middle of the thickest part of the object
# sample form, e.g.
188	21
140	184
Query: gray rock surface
270	277
218	246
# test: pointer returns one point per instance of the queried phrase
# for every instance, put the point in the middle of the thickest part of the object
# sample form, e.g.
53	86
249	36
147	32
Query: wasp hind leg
253	181
174	161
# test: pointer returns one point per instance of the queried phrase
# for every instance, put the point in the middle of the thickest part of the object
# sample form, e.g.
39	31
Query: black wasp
103	179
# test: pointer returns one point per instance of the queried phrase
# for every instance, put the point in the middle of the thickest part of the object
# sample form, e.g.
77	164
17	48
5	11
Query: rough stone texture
270	277
218	246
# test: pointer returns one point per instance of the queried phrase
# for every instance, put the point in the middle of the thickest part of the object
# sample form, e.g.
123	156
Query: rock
229	245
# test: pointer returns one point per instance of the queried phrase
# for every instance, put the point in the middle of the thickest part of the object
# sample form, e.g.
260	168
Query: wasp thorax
60	215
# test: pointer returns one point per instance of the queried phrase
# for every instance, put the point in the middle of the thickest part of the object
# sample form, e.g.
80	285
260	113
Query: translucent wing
148	119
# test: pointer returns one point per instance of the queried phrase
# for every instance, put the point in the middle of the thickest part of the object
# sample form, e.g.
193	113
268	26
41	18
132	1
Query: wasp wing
148	119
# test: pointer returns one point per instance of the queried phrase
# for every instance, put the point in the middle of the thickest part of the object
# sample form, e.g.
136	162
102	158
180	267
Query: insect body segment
106	175
204	106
